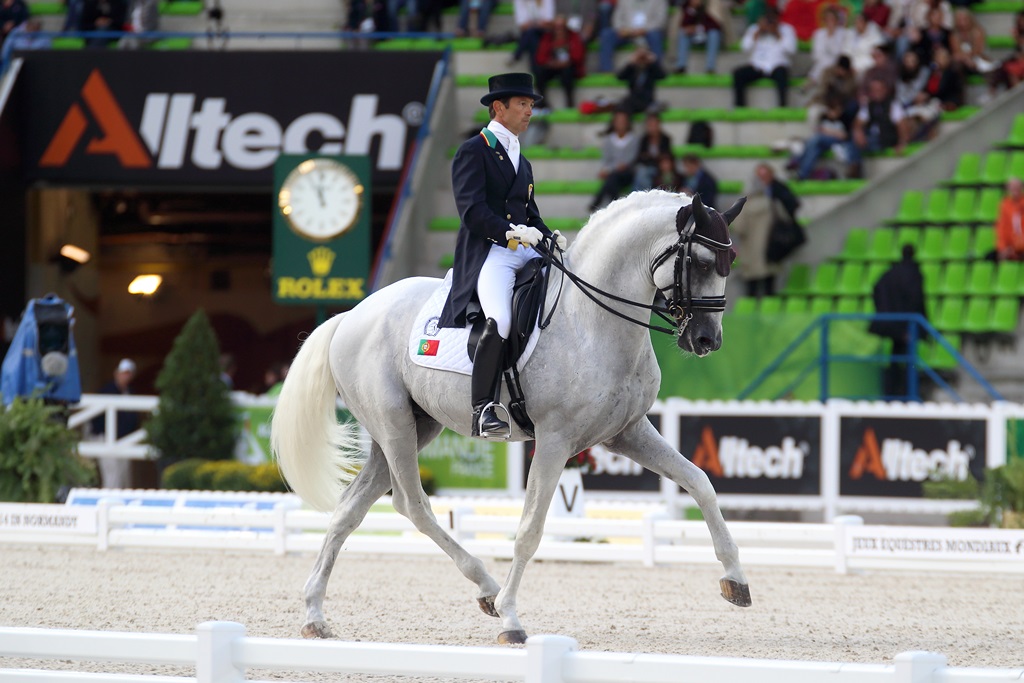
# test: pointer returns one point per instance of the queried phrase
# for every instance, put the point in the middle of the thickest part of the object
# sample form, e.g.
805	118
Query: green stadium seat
937	209
796	304
1008	274
1016	136
951	314
867	305
932	246
745	306
856	246
820	305
932	306
852	281
984	242
911	207
875	271
931	273
848	304
908	235
826	278
979	315
883	245
981	280
1005	315
770	305
1016	165
954	279
968	169
995	167
799	280
937	357
988	205
958	243
963	205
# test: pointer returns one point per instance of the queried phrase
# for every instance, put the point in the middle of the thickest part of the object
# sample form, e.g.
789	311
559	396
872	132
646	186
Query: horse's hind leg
372	482
410	500
642	443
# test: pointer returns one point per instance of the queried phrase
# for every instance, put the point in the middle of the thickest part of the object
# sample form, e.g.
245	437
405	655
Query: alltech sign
219	118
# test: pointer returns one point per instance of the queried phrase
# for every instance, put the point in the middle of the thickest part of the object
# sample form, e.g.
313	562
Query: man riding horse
500	225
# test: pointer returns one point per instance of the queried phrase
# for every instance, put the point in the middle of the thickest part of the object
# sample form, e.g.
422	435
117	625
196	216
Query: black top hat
510	85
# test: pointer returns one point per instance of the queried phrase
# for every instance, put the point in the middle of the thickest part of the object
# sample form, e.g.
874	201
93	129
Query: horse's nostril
705	343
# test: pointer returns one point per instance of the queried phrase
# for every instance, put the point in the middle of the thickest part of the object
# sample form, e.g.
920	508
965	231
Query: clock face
321	199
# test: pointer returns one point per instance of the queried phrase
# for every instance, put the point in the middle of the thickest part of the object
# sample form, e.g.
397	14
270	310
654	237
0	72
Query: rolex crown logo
320	261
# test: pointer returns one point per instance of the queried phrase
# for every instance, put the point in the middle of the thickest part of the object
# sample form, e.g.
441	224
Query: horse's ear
682	217
730	214
700	213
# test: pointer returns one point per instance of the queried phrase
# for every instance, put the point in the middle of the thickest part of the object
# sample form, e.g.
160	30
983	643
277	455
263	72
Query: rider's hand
560	240
525	234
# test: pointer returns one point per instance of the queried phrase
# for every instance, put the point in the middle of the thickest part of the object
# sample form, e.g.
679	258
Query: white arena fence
281	526
220	652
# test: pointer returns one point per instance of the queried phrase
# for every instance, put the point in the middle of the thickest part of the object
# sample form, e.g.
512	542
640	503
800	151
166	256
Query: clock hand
320	194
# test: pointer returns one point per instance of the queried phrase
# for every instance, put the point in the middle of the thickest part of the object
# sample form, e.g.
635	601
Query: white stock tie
513	152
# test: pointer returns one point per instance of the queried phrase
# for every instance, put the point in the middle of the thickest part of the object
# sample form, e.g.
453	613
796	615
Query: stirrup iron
495	436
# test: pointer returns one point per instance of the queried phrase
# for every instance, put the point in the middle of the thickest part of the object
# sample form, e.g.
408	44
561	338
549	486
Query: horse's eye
704	266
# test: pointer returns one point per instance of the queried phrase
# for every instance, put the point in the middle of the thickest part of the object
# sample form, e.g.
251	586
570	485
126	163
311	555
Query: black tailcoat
489	195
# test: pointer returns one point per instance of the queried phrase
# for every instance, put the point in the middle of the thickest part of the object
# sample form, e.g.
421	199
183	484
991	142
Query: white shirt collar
504	135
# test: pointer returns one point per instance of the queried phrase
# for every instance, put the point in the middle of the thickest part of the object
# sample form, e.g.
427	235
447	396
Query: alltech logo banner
891	456
763	455
215	118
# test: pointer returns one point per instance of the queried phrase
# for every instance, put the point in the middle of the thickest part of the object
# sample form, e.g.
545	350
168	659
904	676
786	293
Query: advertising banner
212	118
996	545
881	456
33	518
752	454
458	461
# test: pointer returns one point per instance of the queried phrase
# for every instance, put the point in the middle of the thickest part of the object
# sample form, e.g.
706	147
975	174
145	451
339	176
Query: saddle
528	295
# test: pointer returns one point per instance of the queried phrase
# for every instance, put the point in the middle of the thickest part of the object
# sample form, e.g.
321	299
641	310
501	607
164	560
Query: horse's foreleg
410	500
372	482
540	487
643	444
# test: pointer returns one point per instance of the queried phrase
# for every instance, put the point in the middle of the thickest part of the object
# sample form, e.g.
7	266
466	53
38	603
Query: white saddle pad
444	348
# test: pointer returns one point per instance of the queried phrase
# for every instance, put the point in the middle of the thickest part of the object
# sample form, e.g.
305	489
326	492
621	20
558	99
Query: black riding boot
486	376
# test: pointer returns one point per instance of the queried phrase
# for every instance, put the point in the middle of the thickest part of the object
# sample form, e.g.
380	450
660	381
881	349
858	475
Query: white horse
590	380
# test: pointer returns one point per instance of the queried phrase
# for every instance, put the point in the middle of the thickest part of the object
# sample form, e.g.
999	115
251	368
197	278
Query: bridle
675	308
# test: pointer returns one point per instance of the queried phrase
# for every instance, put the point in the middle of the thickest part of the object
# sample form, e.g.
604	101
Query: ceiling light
145	284
76	254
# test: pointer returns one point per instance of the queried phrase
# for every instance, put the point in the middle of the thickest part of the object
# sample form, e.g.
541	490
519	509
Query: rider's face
515	117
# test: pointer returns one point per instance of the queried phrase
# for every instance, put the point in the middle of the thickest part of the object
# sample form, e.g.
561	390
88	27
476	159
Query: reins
677	310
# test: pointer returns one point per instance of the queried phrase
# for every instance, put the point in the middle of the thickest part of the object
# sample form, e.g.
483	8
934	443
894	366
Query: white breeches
497	277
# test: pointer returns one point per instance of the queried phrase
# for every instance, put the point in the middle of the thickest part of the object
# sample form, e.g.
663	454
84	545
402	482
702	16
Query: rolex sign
321	229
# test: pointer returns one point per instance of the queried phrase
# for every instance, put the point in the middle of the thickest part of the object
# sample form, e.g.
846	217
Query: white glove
560	240
524	234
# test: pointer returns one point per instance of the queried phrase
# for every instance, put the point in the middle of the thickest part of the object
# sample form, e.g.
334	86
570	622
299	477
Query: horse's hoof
735	592
317	629
487	606
517	637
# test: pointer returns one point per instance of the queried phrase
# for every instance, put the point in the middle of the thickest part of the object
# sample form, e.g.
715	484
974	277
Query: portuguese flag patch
428	347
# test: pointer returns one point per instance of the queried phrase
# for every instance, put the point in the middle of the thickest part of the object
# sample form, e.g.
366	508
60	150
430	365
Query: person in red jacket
1010	223
561	55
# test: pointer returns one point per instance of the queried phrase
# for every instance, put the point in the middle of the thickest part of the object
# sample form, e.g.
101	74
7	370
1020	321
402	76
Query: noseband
681	304
677	309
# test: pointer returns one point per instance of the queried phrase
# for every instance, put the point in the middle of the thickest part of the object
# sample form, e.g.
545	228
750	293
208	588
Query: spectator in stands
967	44
770	45
641	75
72	15
115	471
632	20
932	36
861	42
271	376
899	290
696	26
884	69
653	143
922	109
143	17
475	12
877	12
617	156
836	83
228	368
275	389
26	36
1010	71
581	17
560	55
880	123
103	15
13	13
802	15
946	81
533	18
668	177
827	44
833	130
698	180
768	200
1010	223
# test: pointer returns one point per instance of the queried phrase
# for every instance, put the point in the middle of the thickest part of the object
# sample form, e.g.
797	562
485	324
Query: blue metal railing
914	363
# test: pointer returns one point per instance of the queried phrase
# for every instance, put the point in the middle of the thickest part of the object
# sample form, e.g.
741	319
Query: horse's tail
318	455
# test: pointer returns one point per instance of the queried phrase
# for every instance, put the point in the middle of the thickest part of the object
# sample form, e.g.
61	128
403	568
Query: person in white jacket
770	44
861	42
827	43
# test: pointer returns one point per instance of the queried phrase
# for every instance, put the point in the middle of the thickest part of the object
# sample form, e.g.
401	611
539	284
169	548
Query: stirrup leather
500	431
